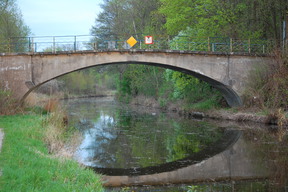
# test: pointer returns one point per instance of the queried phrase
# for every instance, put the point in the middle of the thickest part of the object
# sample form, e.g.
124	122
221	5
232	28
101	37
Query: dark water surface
159	151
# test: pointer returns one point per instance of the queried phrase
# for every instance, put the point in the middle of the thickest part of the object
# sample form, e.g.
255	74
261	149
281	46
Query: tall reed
61	139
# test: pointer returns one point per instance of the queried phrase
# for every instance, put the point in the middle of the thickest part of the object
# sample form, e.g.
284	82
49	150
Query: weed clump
8	105
60	138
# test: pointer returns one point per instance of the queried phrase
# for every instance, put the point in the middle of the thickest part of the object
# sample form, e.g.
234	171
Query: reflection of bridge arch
226	72
229	138
236	162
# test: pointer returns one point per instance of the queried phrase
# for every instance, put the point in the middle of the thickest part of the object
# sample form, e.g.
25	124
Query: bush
8	105
268	85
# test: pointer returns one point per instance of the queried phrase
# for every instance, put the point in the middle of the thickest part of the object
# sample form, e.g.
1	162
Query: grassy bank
27	165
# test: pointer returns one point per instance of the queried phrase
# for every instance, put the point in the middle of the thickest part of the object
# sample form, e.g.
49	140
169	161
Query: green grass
27	166
204	105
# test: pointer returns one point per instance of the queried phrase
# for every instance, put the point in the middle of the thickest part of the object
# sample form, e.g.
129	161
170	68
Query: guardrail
88	42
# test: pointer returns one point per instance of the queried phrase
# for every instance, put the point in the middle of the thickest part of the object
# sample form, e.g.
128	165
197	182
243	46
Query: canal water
137	148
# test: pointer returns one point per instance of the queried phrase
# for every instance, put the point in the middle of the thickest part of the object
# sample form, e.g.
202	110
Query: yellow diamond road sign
131	41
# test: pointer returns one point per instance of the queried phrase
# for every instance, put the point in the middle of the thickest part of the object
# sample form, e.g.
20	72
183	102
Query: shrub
8	105
59	137
268	84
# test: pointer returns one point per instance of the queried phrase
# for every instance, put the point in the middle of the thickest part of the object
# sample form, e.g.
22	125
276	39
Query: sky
59	17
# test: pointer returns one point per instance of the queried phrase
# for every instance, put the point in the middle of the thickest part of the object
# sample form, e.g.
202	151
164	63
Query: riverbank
28	166
29	121
270	117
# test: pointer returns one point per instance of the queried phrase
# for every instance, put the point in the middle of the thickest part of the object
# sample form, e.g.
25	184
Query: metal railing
87	42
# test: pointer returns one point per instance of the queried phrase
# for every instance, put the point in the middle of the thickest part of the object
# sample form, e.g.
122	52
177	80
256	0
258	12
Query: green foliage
190	20
237	19
179	15
208	103
94	81
140	80
120	19
27	166
59	48
12	28
78	82
192	90
183	144
37	110
166	86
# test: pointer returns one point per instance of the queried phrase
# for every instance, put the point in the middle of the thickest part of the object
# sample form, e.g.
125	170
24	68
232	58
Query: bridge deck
140	51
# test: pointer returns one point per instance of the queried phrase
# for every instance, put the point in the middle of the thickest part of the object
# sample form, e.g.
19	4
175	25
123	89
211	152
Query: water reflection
229	138
117	137
271	144
144	145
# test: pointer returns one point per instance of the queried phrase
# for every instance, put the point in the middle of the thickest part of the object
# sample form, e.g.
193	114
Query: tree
141	80
232	18
12	27
123	18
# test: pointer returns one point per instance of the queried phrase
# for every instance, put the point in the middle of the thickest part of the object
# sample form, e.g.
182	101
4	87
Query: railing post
209	48
29	44
249	45
32	46
231	45
140	44
9	45
54	46
75	43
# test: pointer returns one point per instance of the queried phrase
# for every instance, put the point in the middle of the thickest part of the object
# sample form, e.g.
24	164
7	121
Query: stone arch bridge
23	72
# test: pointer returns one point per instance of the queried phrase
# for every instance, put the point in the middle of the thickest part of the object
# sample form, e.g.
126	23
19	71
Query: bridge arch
226	72
232	98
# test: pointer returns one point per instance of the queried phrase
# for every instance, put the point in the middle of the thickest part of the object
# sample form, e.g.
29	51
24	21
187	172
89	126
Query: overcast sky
59	17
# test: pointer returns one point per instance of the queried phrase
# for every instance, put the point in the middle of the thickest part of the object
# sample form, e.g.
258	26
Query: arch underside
232	98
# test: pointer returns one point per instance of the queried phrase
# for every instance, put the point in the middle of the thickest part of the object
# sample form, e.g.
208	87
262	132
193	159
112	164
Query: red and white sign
148	40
